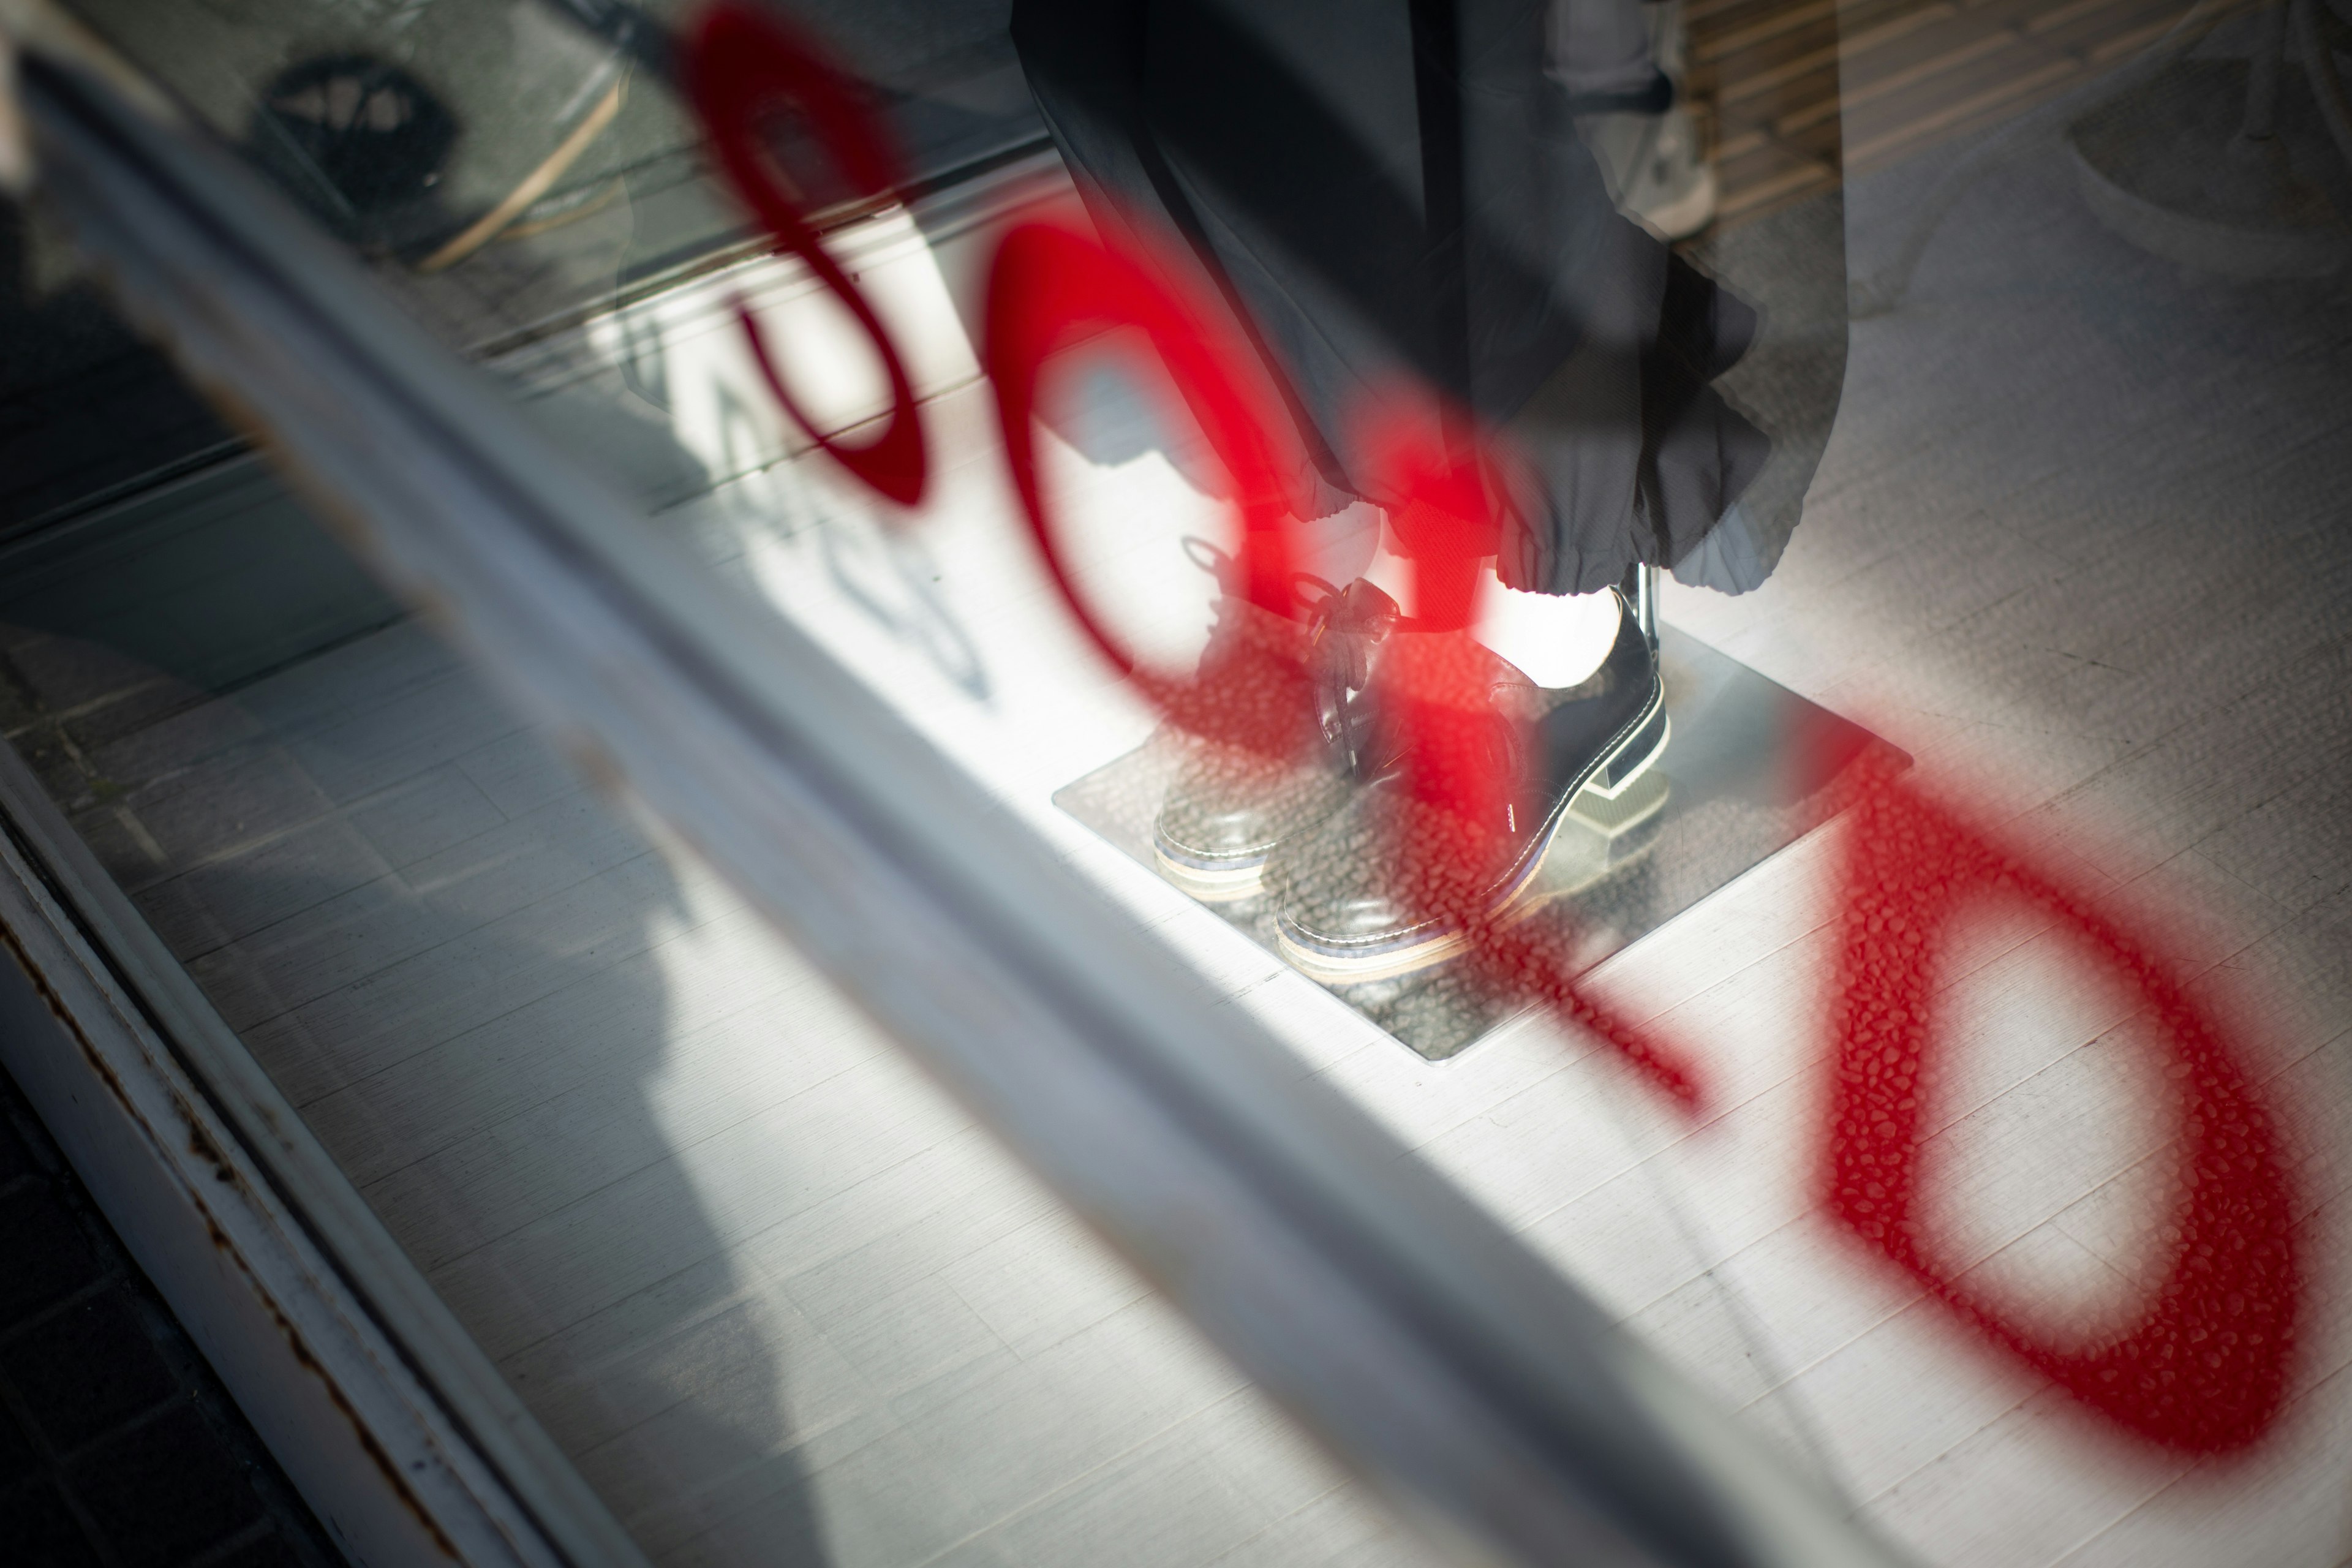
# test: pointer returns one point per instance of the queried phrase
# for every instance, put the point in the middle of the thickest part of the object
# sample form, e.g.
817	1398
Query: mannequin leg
1554	640
1621	63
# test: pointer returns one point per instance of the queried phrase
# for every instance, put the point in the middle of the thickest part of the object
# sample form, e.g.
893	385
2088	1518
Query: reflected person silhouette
85	406
450	956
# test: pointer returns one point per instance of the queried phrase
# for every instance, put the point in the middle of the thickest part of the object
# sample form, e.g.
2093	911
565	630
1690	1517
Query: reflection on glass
507	166
778	1298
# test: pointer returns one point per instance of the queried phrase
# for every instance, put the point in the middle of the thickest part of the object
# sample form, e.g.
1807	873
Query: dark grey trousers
1386	193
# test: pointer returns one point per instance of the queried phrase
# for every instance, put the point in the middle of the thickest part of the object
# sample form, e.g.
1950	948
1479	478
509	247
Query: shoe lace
1341	629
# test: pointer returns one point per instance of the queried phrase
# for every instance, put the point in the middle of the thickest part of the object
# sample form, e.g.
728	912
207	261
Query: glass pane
2066	544
503	168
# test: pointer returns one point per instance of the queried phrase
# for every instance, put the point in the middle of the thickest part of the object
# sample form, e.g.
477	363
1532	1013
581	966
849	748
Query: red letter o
1050	286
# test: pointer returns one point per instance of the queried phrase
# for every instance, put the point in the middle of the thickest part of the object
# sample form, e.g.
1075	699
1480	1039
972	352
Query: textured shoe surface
1230	805
1363	895
1228	808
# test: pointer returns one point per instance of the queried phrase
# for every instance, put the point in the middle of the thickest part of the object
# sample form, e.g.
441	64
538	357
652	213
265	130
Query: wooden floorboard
1770	81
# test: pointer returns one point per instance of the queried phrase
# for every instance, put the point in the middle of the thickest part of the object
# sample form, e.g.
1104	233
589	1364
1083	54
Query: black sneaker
1343	913
1229	804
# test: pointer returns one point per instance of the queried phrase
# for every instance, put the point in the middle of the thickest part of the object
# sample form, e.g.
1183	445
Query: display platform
1751	768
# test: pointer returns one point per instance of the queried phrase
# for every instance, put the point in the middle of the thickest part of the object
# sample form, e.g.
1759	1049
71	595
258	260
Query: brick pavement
119	1449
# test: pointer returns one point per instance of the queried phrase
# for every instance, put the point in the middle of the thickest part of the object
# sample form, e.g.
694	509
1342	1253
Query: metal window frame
390	1420
1428	1348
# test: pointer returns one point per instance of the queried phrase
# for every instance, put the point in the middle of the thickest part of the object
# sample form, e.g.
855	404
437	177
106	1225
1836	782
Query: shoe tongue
1356	620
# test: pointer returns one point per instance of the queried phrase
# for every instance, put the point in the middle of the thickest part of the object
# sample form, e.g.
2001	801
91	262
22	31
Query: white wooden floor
2079	545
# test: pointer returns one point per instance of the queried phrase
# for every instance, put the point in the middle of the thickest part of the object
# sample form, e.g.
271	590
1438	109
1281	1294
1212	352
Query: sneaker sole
1358	966
1211	884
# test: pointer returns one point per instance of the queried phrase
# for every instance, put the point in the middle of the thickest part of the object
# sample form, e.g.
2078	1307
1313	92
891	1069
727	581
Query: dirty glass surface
2074	545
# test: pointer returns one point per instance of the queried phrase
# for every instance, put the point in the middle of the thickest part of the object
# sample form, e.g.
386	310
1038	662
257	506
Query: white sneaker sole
1609	810
1211	885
